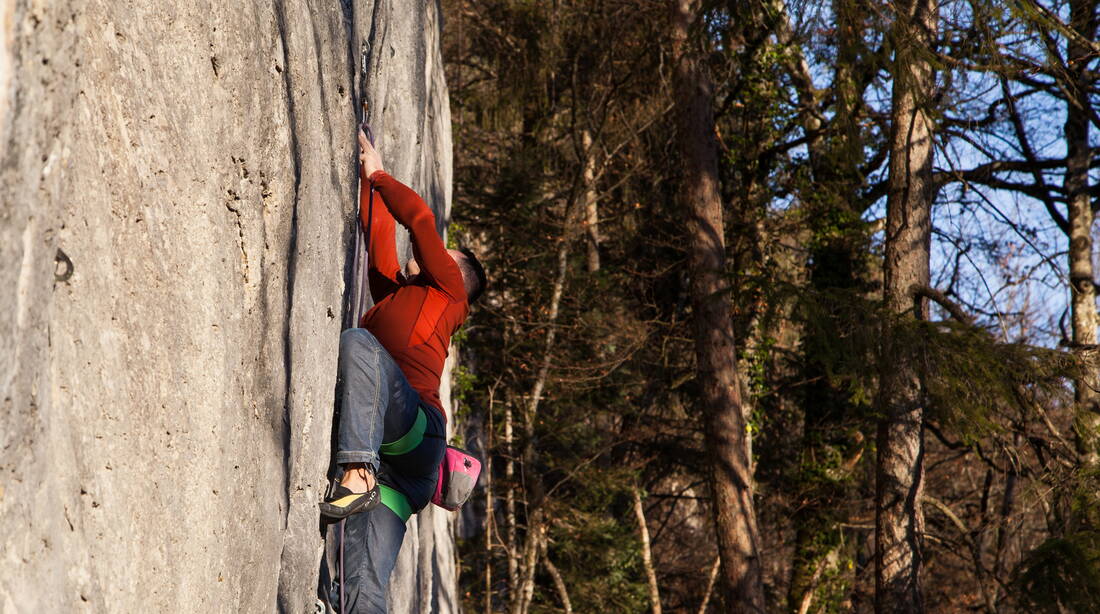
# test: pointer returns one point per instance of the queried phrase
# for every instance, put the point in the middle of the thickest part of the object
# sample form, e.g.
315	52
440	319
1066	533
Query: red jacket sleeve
382	266
413	213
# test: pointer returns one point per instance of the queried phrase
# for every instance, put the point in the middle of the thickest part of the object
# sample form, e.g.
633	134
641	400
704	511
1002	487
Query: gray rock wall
165	409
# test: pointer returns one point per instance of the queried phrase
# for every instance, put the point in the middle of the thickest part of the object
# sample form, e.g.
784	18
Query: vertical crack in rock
368	48
322	92
292	257
282	601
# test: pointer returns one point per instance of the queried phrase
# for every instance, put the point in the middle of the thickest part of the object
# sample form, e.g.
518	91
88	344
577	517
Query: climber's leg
408	457
377	406
371	543
372	539
376	403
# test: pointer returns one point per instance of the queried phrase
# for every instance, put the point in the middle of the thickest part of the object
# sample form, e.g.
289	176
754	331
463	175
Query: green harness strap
396	501
409	440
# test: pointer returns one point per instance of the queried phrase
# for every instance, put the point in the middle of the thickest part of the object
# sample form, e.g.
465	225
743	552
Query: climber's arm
412	212
383	270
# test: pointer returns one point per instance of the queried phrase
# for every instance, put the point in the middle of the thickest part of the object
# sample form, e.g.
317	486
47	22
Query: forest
792	305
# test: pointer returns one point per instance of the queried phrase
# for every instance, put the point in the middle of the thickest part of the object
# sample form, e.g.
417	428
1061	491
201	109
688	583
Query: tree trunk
1081	217
647	553
521	597
510	503
838	247
899	521
716	352
521	601
490	505
591	207
555	575
710	585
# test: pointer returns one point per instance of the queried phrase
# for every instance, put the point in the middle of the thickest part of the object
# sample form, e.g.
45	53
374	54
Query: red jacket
413	318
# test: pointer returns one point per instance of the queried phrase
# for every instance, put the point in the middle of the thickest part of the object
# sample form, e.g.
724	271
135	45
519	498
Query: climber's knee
360	344
358	339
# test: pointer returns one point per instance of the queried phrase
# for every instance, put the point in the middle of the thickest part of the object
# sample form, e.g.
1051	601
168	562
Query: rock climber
392	428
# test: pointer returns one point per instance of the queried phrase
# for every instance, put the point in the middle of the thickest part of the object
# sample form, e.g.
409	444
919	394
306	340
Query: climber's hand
369	160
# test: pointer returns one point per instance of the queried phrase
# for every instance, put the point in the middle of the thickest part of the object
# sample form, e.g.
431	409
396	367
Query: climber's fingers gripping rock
369	160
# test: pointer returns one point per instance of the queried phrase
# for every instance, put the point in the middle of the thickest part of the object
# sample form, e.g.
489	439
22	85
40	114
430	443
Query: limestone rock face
177	198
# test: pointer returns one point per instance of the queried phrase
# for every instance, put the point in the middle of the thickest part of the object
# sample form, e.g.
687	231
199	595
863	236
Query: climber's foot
357	492
344	502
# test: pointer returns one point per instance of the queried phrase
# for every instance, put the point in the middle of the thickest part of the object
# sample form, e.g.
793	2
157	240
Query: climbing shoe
344	503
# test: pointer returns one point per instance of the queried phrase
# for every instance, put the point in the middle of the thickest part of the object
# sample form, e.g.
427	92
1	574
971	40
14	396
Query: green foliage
842	336
1063	574
970	376
456	235
463	382
599	553
460	335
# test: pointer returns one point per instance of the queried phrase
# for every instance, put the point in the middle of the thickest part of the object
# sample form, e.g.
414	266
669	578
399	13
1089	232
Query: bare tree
647	553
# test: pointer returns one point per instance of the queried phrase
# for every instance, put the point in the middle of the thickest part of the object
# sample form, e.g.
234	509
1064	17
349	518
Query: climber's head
473	274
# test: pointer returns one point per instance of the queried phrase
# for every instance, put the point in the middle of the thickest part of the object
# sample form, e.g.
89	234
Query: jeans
371	543
383	423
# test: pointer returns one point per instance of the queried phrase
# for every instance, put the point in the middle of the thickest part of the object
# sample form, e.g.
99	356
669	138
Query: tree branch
941	299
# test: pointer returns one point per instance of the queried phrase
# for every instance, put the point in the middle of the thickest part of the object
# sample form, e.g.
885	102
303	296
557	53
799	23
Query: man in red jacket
392	428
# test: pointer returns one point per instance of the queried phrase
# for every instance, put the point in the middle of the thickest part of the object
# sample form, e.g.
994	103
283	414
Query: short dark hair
473	266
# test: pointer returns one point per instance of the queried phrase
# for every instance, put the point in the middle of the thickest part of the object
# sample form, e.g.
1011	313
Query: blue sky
998	251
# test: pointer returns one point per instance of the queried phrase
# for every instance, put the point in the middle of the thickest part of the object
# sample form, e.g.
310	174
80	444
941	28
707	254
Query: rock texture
166	399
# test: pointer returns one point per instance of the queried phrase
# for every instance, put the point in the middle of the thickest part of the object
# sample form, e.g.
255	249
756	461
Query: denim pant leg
376	402
371	543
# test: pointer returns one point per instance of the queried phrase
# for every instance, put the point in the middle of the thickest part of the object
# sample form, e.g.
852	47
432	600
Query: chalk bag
457	478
